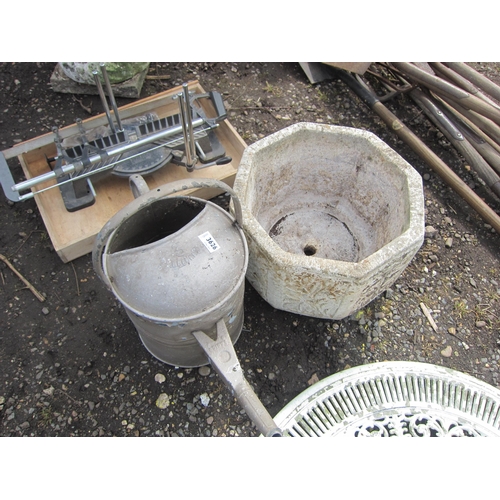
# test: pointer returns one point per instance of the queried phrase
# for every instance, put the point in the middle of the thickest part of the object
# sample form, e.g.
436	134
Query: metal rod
124	148
189	118
182	115
103	100
111	95
90	173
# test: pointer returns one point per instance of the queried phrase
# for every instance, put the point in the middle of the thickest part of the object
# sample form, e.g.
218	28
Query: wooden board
73	233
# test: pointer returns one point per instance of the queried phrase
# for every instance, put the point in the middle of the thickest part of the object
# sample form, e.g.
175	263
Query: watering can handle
139	188
143	197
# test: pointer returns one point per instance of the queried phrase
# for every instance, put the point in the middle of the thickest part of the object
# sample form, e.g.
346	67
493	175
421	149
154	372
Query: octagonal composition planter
332	217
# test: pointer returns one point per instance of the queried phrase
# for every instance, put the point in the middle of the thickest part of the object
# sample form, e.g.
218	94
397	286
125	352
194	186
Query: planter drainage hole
310	250
316	233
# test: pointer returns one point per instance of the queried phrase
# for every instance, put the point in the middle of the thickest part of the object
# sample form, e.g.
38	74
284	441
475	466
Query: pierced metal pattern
394	399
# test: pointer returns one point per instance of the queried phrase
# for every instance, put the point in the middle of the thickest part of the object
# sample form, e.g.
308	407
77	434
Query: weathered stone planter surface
332	216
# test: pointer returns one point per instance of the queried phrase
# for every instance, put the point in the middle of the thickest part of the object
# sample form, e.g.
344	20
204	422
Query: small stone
473	282
313	379
271	376
163	401
49	391
426	177
447	351
204	399
430	232
204	371
160	378
480	324
448	243
45	311
452	330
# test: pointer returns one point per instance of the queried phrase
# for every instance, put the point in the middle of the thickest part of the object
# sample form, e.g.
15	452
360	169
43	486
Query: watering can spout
223	358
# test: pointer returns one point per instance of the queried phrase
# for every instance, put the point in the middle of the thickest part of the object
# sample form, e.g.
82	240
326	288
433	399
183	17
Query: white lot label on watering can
208	240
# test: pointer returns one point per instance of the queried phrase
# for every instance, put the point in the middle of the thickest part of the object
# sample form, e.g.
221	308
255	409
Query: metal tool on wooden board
140	145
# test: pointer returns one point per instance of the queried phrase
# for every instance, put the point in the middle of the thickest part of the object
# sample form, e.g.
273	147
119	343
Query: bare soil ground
74	365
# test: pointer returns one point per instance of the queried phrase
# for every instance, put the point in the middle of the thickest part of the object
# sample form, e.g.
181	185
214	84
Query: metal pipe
103	100
111	95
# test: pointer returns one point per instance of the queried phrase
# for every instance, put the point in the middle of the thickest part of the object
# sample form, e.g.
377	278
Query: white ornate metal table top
394	399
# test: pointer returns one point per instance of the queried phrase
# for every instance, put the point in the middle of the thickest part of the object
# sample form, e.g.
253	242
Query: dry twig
158	77
35	292
428	316
76	279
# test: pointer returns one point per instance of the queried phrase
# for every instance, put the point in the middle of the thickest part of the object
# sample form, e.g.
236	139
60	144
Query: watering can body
177	264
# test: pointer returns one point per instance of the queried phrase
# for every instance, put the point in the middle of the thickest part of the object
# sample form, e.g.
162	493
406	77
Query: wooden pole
404	133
